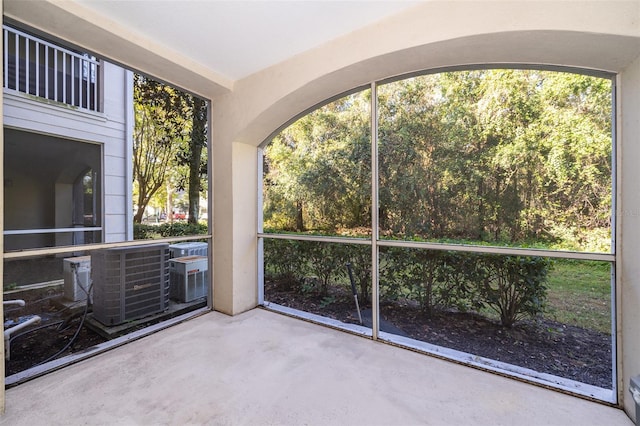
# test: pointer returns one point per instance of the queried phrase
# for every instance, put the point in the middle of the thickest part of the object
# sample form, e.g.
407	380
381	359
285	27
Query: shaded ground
52	338
66	327
543	345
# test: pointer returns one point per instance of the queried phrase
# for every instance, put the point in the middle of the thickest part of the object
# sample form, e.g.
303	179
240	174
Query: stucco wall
628	216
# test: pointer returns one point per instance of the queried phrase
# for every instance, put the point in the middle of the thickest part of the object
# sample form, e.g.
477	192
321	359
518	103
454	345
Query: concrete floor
262	368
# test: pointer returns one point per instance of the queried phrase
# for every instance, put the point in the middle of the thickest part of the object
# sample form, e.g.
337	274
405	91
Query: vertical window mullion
260	227
614	229
375	302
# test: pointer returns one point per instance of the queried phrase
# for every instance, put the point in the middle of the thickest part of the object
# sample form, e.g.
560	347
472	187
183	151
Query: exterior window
52	187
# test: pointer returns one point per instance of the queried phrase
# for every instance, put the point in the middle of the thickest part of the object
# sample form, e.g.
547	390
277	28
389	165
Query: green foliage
512	286
169	144
144	232
518	158
502	156
180	229
317	170
165	230
435	279
283	262
161	126
307	266
359	256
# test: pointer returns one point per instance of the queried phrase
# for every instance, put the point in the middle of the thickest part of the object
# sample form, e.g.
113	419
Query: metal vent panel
189	278
130	282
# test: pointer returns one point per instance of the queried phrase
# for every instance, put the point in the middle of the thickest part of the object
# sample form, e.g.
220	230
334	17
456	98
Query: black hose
70	342
31	330
75	336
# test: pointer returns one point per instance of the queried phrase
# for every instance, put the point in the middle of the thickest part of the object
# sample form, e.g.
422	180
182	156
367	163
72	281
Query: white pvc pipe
18	302
8	332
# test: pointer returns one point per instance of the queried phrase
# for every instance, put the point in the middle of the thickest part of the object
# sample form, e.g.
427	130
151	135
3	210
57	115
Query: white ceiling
236	38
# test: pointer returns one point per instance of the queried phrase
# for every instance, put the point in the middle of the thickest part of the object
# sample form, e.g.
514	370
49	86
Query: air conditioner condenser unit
189	278
130	282
188	249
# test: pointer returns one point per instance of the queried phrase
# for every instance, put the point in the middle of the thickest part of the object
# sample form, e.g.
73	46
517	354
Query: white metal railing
39	68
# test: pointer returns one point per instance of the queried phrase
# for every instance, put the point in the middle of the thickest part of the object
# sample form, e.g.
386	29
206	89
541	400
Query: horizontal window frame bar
511	251
30	253
51	230
316	238
481	249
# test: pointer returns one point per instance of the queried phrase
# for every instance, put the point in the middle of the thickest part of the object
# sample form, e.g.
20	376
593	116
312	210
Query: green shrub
435	279
512	286
323	260
359	256
176	229
144	232
180	229
283	261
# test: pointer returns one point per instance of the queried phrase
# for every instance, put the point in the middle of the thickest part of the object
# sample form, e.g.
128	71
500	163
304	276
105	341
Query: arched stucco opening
547	49
264	104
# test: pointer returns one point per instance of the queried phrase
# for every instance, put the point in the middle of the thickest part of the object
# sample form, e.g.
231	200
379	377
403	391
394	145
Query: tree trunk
142	205
198	141
299	218
169	206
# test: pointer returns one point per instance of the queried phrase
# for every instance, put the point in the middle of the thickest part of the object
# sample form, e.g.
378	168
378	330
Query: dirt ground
541	345
49	339
67	327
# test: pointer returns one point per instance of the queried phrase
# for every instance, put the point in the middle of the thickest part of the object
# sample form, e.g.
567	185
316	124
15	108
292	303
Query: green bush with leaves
180	229
310	266
283	262
435	279
166	230
512	286
144	232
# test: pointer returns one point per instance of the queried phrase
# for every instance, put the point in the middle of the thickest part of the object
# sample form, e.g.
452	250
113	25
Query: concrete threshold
262	367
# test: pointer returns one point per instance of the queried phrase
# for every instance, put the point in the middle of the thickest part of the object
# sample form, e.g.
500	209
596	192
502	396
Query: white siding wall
108	129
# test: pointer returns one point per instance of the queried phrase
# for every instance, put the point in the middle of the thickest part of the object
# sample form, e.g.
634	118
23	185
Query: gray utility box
77	278
189	278
130	282
188	249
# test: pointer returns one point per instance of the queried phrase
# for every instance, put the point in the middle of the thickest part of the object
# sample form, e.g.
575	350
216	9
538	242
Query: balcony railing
39	68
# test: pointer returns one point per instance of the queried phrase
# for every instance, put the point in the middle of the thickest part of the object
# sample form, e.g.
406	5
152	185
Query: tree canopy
501	156
169	145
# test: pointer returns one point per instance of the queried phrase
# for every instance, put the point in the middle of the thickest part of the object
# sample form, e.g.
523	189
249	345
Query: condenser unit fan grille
130	282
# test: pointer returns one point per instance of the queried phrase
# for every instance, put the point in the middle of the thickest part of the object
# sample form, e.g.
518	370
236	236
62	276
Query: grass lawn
580	294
